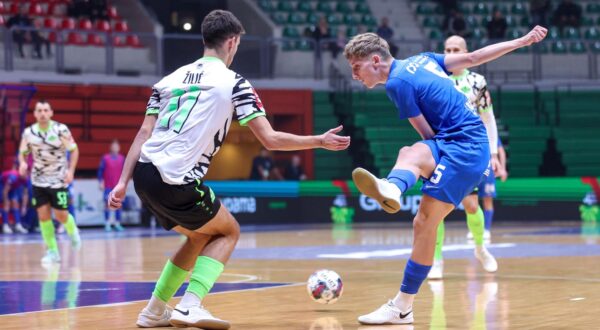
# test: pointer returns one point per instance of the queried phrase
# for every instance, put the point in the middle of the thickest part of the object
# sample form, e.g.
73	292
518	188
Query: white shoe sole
368	185
203	324
365	322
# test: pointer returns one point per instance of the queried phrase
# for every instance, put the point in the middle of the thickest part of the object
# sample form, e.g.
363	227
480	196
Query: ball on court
325	286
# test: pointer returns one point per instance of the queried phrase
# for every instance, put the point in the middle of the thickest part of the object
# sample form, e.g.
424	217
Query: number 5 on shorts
437	174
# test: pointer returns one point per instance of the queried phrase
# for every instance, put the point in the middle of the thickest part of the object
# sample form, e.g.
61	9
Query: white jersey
49	150
474	86
195	106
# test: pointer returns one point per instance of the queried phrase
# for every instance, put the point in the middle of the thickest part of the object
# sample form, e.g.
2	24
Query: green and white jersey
49	151
474	86
194	107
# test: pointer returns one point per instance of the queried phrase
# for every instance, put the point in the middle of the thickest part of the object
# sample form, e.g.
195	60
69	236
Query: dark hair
218	26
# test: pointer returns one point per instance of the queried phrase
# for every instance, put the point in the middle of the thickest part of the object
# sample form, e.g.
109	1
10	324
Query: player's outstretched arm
115	199
458	62
276	140
23	150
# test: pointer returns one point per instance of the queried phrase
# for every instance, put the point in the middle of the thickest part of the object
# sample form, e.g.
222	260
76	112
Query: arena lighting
187	26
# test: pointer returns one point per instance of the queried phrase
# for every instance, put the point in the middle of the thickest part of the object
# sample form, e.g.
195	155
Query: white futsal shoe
388	313
6	229
385	193
437	270
197	317
147	319
487	260
51	257
20	229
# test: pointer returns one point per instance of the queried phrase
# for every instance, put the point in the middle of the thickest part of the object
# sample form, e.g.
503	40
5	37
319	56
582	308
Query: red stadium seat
133	41
68	24
2	22
117	41
74	38
85	24
121	26
49	23
35	9
52	37
112	12
103	26
13	8
94	40
2	8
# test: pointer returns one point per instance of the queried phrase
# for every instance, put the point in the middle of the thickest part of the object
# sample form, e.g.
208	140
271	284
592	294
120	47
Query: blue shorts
487	187
106	193
461	166
13	194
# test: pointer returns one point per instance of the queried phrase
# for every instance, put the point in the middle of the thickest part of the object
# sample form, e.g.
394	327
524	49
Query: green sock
439	243
47	228
71	226
170	281
476	223
206	272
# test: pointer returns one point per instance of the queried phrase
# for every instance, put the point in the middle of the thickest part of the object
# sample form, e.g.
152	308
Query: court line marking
405	251
145	300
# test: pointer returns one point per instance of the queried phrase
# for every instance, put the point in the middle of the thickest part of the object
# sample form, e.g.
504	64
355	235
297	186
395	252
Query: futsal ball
325	286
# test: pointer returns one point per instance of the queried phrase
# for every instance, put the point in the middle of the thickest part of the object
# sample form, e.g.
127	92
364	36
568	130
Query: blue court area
33	296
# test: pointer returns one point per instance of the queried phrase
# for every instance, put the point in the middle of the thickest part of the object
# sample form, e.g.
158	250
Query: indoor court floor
548	278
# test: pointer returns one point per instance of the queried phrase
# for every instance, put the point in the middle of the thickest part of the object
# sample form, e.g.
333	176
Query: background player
186	123
14	199
111	166
51	173
474	86
487	192
453	157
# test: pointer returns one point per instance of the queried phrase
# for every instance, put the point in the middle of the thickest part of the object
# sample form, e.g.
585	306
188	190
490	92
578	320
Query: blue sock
404	179
118	215
106	214
71	209
4	215
17	215
488	215
414	275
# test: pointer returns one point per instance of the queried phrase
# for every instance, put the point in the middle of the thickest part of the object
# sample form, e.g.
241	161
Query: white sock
404	301
190	300
156	306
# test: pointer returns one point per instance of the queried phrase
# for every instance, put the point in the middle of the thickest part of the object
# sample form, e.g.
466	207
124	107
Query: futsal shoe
20	229
385	193
197	317
118	227
487	237
147	319
387	314
51	257
6	229
437	270
487	260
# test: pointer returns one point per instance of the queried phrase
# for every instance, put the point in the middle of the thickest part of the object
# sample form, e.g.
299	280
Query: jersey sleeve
65	136
246	102
483	102
404	96
439	58
24	149
153	106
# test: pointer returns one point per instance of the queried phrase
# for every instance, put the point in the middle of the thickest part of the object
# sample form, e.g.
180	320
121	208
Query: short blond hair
365	44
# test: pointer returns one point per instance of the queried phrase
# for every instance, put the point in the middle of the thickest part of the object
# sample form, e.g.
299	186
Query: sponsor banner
88	200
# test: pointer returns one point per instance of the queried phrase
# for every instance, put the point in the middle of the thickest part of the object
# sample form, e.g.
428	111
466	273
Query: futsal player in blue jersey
453	157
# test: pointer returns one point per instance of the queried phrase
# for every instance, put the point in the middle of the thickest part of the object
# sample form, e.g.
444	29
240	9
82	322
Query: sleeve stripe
244	121
152	111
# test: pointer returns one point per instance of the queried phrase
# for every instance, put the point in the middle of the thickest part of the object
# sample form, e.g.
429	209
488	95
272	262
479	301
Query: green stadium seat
369	20
593	8
571	33
296	18
523	50
598	21
304	6
312	18
525	21
485	20
279	17
334	19
511	21
518	9
472	21
464	8
304	45
431	22
503	9
362	8
285	6
577	47
324	7
541	48
440	47
422	9
559	47
288	45
592	33
515	33
343	7
595	47
479	33
267	5
481	9
351	31
290	32
553	33
435	34
587	21
351	20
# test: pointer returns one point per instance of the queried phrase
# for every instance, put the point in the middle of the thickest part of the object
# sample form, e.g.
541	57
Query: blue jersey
420	85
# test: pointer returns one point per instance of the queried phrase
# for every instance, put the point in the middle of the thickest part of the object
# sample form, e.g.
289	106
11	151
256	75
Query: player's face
365	71
452	47
115	148
42	113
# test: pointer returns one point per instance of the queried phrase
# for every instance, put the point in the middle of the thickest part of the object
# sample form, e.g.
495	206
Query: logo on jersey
259	103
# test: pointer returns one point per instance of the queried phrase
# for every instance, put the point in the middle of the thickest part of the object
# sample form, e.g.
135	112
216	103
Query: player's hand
23	169
116	196
537	34
496	165
503	174
331	141
68	177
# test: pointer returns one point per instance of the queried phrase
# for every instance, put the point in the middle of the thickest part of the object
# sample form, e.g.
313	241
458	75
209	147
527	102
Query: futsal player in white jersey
48	142
474	86
186	122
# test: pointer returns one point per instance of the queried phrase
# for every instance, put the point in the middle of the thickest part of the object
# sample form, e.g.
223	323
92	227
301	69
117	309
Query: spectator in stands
387	33
538	9
567	14
109	171
294	170
340	41
20	20
320	32
455	24
448	6
263	167
98	10
496	27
